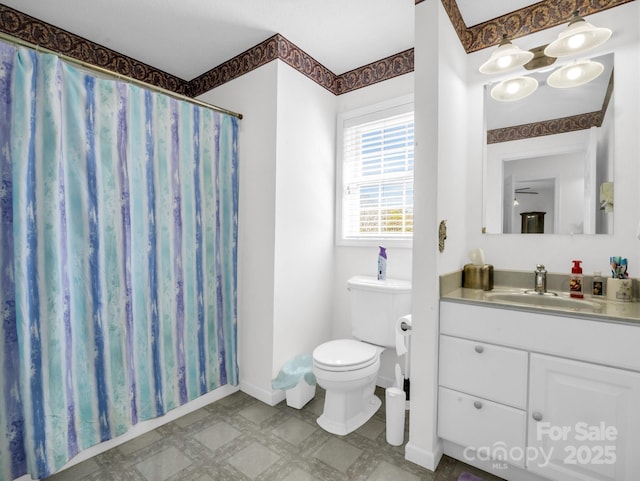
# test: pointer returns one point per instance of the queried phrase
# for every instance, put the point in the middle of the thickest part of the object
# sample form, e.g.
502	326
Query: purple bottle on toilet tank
382	264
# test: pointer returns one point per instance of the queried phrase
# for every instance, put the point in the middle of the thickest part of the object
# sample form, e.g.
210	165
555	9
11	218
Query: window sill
386	242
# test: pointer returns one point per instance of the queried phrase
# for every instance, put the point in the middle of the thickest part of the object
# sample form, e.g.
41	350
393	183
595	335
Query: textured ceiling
475	12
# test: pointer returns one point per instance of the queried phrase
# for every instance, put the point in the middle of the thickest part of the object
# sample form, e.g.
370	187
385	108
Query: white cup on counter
619	289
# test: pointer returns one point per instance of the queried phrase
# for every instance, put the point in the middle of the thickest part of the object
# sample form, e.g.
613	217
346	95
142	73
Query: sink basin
548	301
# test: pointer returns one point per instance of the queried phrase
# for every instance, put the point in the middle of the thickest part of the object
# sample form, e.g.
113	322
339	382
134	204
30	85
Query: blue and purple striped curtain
117	258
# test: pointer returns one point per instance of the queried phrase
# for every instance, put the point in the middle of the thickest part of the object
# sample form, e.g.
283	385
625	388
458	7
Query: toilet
348	368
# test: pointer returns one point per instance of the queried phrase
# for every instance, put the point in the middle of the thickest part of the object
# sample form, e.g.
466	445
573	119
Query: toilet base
340	403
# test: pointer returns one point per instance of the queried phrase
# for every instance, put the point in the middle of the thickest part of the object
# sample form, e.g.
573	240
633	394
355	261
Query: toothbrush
623	268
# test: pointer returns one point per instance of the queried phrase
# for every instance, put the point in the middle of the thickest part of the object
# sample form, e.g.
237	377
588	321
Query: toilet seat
344	355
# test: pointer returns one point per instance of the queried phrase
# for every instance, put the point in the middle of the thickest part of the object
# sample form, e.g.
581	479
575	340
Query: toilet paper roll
402	334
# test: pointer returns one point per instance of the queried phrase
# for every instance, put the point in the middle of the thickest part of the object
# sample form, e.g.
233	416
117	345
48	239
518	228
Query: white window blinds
377	176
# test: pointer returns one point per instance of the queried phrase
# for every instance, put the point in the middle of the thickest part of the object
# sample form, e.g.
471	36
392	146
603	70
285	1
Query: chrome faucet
540	285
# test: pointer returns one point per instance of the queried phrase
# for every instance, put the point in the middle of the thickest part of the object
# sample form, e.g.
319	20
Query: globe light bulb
513	87
574	73
505	62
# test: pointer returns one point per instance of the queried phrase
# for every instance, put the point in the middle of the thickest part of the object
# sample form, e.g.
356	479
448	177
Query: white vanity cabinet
554	397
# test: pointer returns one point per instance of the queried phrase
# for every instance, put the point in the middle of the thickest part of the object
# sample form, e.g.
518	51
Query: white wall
556	251
352	260
444	175
304	248
423	447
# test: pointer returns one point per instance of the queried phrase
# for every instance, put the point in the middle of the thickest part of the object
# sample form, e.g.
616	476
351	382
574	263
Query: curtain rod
118	76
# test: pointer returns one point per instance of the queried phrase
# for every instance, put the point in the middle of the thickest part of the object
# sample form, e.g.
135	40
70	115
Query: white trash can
300	395
394	404
297	380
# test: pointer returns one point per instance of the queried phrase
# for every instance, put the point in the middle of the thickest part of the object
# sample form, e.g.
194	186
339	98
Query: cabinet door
584	419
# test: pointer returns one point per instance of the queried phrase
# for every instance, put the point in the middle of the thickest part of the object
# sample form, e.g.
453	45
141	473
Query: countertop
605	310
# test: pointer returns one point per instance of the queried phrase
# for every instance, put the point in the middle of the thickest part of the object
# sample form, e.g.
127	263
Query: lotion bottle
575	281
597	287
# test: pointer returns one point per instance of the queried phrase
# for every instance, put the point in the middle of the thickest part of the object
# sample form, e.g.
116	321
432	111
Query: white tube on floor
394	405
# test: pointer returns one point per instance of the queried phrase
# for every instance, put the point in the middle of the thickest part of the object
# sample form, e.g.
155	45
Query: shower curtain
117	258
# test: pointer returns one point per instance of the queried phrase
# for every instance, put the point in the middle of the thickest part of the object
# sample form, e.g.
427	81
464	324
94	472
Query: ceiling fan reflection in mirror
525	190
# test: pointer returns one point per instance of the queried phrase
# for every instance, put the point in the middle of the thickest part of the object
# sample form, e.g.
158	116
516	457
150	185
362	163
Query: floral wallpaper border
547	127
527	20
281	48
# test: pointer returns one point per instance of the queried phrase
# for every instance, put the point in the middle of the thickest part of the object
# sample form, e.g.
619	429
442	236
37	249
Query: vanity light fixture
505	58
514	89
578	37
575	74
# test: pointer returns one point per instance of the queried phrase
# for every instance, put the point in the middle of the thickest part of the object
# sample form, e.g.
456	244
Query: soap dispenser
575	281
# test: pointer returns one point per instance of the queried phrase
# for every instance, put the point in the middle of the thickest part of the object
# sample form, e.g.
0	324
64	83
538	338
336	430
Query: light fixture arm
505	40
576	18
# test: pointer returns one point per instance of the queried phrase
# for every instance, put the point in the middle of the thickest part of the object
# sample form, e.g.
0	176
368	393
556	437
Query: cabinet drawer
482	425
486	370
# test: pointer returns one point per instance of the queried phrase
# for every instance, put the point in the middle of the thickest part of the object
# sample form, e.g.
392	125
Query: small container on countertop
476	276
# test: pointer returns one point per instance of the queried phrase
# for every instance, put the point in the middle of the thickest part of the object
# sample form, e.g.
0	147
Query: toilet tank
376	306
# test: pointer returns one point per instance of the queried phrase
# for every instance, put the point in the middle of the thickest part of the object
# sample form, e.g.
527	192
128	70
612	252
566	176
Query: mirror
548	159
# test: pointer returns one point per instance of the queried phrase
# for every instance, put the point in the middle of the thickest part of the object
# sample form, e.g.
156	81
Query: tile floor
241	439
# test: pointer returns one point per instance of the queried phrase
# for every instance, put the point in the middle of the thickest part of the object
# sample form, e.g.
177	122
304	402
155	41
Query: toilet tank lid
373	284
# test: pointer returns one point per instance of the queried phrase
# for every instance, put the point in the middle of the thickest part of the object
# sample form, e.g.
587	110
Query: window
375	198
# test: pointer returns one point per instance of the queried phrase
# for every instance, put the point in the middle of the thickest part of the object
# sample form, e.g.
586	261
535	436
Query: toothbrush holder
619	289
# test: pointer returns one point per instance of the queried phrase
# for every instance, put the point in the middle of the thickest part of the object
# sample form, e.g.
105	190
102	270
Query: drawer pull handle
479	349
537	416
477	404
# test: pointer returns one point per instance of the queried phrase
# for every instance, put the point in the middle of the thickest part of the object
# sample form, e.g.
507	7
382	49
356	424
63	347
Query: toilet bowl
347	369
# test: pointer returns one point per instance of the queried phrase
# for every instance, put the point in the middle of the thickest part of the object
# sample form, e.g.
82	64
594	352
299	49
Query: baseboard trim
497	468
271	397
385	382
427	459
